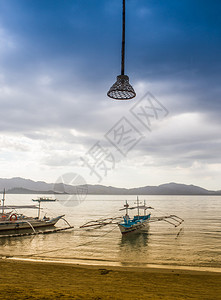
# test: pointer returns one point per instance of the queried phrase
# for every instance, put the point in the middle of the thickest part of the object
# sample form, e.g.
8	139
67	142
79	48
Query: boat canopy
19	207
139	207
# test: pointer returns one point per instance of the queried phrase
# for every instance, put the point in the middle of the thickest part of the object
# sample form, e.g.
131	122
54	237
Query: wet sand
38	280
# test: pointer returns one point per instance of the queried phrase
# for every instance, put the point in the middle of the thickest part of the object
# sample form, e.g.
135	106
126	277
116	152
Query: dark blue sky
163	37
58	59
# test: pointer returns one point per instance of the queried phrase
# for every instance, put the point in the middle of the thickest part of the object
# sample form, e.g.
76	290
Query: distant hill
28	184
172	189
19	185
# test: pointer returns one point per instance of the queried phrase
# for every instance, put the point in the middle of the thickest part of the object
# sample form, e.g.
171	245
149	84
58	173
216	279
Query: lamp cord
123	40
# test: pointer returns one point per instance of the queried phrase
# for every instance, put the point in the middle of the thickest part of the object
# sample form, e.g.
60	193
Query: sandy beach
43	280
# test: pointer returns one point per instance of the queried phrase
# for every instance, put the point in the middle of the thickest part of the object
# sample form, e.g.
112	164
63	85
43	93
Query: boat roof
18	207
140	207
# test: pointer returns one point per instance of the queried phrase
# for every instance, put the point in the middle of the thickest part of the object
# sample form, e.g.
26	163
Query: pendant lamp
121	89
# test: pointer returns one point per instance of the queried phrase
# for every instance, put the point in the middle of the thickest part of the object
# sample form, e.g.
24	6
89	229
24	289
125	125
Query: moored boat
136	224
10	219
44	199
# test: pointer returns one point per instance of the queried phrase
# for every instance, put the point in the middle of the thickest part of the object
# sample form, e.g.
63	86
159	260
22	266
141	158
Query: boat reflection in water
134	248
134	240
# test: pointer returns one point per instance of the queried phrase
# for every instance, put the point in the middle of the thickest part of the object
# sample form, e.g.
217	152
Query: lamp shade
121	89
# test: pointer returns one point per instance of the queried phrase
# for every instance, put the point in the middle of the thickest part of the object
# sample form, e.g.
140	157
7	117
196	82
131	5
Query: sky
59	58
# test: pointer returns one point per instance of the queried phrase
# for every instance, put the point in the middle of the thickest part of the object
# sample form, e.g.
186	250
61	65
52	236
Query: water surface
196	243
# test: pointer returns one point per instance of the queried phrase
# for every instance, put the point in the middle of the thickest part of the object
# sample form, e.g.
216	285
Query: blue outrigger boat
139	222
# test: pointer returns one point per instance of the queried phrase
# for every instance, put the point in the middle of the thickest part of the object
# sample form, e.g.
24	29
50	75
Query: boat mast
39	207
3	201
126	207
138	210
126	218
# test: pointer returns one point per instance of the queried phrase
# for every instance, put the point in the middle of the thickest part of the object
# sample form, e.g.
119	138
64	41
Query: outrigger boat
44	199
138	223
11	220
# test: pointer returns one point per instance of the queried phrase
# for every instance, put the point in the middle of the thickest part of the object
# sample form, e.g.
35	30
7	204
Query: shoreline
119	266
21	279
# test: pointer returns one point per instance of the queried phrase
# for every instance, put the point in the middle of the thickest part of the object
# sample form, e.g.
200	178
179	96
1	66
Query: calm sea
196	243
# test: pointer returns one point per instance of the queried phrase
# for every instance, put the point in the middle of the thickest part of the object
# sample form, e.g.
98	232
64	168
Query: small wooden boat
10	219
138	222
44	199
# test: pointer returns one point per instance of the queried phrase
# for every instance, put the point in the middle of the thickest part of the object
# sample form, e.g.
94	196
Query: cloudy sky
59	58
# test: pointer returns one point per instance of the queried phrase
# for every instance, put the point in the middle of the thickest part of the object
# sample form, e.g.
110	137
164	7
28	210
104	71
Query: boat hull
27	224
138	227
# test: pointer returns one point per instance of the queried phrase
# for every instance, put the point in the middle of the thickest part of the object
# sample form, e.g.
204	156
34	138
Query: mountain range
19	185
